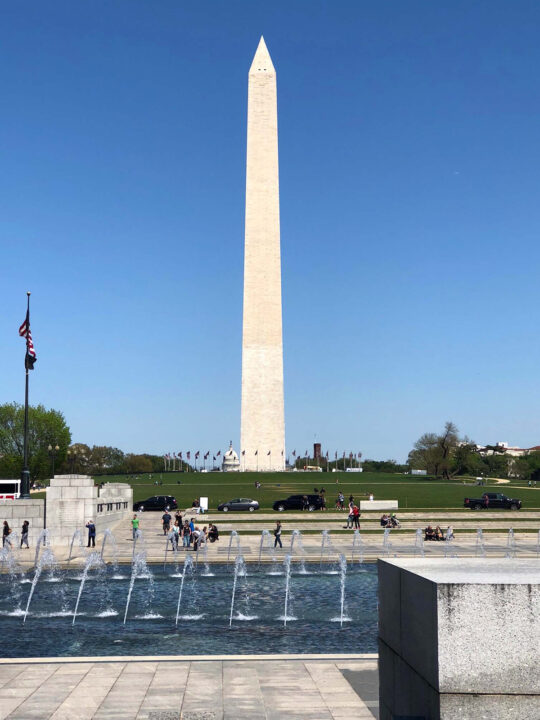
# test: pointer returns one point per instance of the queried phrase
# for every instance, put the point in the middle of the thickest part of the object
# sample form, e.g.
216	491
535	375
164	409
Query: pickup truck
492	500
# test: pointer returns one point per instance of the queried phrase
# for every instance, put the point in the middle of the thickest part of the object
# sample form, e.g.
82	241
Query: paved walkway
400	544
257	688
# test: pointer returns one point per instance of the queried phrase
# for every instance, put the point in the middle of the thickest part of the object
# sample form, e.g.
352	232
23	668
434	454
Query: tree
527	467
45	427
436	453
425	454
138	464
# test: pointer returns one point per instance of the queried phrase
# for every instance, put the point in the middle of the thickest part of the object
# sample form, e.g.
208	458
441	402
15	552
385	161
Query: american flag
256	452
188	454
206	455
243	452
214	458
180	455
218	453
197	455
294	453
268	453
24	331
359	455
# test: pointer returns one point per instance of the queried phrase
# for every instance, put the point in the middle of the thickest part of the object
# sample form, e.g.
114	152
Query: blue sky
409	171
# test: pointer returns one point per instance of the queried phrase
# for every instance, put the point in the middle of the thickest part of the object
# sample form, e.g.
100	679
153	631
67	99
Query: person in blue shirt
91	533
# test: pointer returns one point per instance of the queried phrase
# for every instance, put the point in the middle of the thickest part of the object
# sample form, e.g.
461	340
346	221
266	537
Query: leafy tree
527	467
138	464
438	454
45	427
426	455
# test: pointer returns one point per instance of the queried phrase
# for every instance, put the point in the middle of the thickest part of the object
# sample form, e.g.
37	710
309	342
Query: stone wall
458	638
114	503
72	500
15	511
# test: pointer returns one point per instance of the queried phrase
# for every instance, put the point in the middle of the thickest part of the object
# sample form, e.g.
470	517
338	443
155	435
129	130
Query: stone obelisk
263	416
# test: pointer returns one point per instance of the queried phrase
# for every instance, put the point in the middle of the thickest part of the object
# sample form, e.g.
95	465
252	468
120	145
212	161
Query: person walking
175	535
166	522
91	533
24	533
195	538
350	516
356	517
277	535
135	525
186	535
6	532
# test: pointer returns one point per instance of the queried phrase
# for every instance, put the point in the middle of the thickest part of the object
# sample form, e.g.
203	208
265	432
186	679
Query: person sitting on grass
439	535
384	520
393	521
213	533
429	533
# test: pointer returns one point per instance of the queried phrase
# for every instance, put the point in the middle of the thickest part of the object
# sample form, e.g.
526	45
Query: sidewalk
271	687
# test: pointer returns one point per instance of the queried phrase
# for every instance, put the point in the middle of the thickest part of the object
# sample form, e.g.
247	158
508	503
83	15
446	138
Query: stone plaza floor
234	688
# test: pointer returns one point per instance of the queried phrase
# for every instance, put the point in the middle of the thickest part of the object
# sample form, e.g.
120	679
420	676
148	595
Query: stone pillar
71	502
459	639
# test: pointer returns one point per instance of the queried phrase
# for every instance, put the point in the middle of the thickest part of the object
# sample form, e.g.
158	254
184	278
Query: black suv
296	502
158	502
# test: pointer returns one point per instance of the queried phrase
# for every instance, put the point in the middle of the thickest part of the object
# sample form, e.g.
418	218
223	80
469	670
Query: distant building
503	448
317	451
231	461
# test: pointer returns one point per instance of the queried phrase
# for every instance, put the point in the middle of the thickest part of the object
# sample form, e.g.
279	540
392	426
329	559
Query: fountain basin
203	624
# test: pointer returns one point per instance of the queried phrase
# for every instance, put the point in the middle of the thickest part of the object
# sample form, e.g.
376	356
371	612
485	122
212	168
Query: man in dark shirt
91	533
166	519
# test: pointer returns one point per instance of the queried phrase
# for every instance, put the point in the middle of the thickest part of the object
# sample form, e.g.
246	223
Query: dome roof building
231	461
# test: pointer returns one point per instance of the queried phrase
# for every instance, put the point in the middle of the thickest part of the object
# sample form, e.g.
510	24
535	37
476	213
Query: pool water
314	621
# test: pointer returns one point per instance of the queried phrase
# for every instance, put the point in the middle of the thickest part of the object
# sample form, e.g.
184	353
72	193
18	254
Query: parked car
488	501
239	504
296	502
158	502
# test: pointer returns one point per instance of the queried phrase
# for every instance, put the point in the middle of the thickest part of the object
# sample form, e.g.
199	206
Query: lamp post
71	458
53	451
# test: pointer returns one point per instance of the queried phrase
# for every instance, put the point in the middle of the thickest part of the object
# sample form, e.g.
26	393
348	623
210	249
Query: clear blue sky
409	170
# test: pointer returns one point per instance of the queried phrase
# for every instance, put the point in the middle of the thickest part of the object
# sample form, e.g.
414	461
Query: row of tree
441	455
50	448
447	454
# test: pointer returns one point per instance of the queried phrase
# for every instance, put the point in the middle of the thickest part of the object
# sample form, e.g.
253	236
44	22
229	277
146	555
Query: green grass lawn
411	492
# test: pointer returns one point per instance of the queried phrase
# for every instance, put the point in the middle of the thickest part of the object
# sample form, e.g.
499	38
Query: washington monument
263	416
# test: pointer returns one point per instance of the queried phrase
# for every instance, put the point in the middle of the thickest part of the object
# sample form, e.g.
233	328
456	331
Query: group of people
6	532
182	532
340	501
353	518
390	521
431	533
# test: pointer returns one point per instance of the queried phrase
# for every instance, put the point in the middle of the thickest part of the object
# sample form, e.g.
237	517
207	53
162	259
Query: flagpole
25	474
